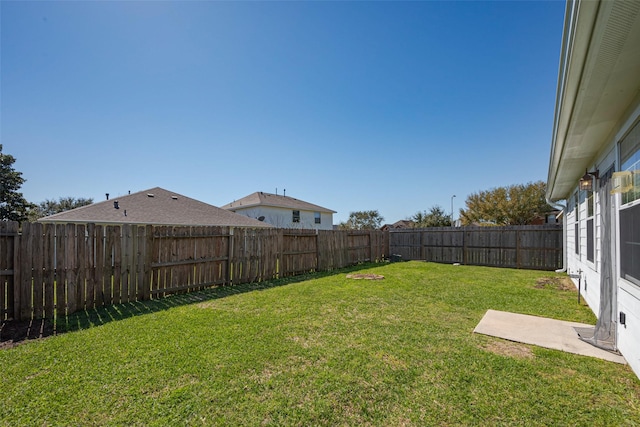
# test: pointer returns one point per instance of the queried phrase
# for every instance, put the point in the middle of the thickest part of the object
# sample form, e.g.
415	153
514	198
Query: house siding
283	217
626	295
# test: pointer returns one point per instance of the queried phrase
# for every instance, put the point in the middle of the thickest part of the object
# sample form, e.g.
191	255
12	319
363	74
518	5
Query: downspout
562	208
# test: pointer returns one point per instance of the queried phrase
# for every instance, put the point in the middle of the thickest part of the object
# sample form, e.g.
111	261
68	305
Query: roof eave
597	85
578	27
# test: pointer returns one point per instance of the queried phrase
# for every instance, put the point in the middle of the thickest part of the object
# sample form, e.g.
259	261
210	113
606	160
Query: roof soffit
599	86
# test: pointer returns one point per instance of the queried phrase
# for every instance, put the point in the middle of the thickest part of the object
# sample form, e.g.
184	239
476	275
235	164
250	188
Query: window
630	212
630	161
296	216
590	246
590	226
630	244
576	236
317	217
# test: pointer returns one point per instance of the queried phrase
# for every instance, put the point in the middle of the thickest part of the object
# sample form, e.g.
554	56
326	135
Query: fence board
49	269
82	260
141	239
8	238
37	267
125	252
24	293
89	274
100	267
148	259
70	266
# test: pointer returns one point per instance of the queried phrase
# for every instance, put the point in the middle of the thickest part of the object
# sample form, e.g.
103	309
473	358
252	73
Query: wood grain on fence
333	252
299	252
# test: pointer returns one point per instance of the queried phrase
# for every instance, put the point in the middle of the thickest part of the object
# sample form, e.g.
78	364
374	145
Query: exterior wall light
588	179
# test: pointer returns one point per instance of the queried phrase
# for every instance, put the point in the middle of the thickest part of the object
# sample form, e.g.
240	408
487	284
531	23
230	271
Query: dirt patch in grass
365	276
509	348
13	332
559	283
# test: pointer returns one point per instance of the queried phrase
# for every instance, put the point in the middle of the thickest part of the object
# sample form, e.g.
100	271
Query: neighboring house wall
282	211
283	217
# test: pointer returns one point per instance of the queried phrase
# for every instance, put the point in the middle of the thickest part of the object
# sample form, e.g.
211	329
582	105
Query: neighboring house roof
155	206
273	200
403	223
597	83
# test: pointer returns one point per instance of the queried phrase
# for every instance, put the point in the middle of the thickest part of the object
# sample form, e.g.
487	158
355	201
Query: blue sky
394	106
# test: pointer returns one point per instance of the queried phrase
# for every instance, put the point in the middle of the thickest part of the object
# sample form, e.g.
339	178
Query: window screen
630	158
590	247
630	244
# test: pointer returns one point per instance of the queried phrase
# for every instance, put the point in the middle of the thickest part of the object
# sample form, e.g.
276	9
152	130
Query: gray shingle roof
155	206
274	200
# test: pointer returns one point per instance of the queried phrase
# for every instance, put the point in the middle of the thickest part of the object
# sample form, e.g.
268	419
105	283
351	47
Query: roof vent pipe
115	204
107	194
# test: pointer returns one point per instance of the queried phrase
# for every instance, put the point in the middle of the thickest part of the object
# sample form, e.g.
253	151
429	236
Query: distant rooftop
155	206
260	198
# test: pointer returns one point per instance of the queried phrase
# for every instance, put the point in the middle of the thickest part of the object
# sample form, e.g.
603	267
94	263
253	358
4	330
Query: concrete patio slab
541	331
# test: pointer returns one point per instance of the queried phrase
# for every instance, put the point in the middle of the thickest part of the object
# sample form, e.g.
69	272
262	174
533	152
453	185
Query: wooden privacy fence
530	247
49	270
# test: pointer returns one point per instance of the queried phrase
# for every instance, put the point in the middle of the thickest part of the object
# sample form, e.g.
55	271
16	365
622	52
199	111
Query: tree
436	217
516	204
13	205
50	207
362	220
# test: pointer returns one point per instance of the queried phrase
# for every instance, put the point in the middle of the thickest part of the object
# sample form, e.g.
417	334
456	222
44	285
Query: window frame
576	202
629	151
590	225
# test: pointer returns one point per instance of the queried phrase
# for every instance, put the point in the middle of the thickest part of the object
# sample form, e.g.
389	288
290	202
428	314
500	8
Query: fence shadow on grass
13	333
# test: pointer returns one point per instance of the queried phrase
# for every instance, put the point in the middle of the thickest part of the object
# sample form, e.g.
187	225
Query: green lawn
323	351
